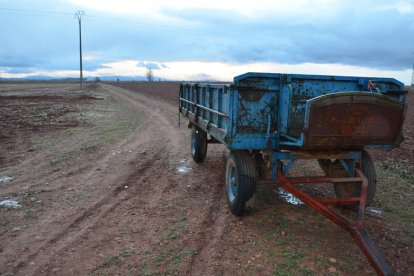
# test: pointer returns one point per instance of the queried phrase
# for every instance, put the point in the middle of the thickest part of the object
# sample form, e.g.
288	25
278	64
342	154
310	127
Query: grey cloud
149	65
357	35
17	62
17	70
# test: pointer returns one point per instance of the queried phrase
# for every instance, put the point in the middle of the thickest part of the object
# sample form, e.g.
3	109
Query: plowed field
105	185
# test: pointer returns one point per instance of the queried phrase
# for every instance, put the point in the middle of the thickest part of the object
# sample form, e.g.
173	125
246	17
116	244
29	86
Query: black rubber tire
241	180
198	144
346	190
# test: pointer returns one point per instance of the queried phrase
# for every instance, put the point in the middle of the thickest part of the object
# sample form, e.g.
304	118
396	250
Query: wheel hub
232	184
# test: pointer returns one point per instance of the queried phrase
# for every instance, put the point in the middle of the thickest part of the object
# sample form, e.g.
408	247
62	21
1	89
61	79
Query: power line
138	23
34	12
189	31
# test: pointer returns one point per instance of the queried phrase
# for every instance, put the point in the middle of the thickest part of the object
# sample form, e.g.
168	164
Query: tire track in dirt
163	126
212	221
81	223
165	187
160	130
208	246
164	149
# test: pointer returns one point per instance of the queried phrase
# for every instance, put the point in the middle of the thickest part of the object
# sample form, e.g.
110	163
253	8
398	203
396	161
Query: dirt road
135	205
142	207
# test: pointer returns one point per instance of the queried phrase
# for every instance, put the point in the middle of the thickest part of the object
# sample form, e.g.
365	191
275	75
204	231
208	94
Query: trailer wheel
198	144
346	190
241	180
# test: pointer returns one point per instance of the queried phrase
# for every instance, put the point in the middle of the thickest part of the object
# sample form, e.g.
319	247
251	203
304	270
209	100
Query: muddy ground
105	186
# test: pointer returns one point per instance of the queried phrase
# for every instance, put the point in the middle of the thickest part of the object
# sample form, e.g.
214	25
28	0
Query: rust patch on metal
251	95
353	121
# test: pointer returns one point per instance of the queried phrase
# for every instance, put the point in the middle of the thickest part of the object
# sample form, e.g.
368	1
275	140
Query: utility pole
412	78
79	15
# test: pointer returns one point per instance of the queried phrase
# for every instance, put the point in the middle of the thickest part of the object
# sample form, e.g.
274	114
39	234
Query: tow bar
357	231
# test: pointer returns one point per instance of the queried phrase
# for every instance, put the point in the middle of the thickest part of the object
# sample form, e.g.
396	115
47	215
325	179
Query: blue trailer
269	120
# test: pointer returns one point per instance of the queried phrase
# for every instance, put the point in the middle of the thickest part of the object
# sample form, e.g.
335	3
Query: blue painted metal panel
285	99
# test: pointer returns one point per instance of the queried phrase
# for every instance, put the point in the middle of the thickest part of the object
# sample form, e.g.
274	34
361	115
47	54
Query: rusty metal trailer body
268	121
298	111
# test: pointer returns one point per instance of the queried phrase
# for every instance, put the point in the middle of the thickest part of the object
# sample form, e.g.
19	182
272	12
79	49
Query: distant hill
101	78
40	78
121	78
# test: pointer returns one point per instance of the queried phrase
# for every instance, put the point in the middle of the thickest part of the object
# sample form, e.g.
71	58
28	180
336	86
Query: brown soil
139	206
406	150
167	91
25	116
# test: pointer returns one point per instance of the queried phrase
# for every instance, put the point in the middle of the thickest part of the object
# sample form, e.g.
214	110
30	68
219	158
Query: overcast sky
196	40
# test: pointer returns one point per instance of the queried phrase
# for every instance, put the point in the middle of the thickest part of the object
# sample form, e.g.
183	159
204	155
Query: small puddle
374	212
5	179
288	197
9	203
184	166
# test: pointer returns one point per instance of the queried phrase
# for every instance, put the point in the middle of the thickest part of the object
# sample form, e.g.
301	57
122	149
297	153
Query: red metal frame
357	231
